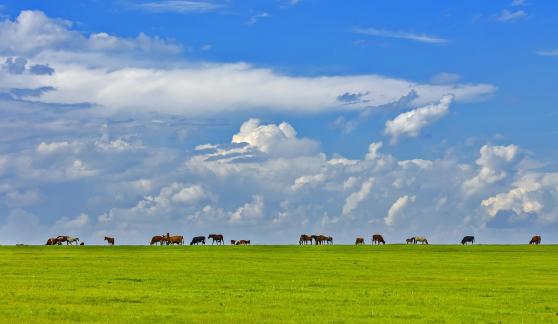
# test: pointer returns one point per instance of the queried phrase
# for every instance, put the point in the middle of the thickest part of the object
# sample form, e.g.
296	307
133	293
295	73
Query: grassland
392	283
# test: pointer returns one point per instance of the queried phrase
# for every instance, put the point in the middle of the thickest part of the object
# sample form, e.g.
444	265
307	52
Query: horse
320	239
216	238
304	239
421	239
157	239
51	241
468	239
410	240
233	242
71	240
110	240
359	240
176	239
197	240
377	239
535	240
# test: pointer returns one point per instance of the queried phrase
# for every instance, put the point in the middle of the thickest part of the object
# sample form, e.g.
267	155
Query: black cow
198	239
468	239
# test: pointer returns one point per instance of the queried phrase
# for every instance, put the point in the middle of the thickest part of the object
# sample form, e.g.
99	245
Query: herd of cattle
219	239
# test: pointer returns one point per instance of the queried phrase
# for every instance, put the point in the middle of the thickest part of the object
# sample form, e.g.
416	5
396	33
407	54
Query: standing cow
467	239
378	239
535	240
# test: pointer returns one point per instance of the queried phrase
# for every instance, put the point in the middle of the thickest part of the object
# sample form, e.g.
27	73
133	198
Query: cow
242	242
359	241
197	240
320	239
410	240
157	239
329	240
216	238
535	240
51	241
421	239
468	239
377	239
176	239
61	238
304	239
110	240
81	243
233	242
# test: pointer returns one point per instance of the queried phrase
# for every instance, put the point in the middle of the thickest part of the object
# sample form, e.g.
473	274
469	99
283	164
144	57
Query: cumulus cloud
354	199
250	212
72	224
412	122
397	208
494	163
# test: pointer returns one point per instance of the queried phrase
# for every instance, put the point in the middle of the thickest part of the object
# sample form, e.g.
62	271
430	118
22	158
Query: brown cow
359	240
216	238
304	239
177	239
320	239
243	242
51	241
61	238
157	239
110	240
535	240
377	239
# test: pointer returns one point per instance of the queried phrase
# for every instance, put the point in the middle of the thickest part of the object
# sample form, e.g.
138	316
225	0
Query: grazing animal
157	239
359	240
320	239
233	242
197	240
70	240
410	240
304	239
535	240
421	239
110	240
329	240
51	241
81	243
243	242
216	238
377	239
61	238
468	239
176	239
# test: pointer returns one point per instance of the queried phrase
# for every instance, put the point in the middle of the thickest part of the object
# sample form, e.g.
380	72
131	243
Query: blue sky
267	119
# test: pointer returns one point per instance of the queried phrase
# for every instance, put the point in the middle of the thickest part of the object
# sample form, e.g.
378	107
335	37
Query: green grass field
392	283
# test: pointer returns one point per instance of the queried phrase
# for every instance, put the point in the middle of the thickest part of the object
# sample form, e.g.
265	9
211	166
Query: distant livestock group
219	239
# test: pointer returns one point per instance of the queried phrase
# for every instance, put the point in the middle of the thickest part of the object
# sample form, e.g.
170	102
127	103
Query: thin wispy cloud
255	18
548	52
178	6
511	16
422	38
518	3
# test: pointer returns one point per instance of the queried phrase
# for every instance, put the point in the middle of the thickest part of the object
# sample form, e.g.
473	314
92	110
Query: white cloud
553	52
307	180
517	3
250	212
422	38
494	162
22	198
55	147
189	194
178	6
397	208
354	199
373	150
412	122
73	224
445	78
511	16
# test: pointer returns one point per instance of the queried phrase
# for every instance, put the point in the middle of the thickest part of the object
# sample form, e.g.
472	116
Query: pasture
391	283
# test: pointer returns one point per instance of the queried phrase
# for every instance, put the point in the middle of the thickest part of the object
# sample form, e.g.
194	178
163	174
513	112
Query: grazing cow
410	240
468	239
61	238
243	242
81	243
157	239
216	238
329	240
359	240
233	242
421	239
304	239
377	239
71	240
197	240
110	240
176	239
535	240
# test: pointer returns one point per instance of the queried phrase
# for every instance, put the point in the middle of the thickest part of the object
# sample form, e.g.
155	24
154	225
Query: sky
264	120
